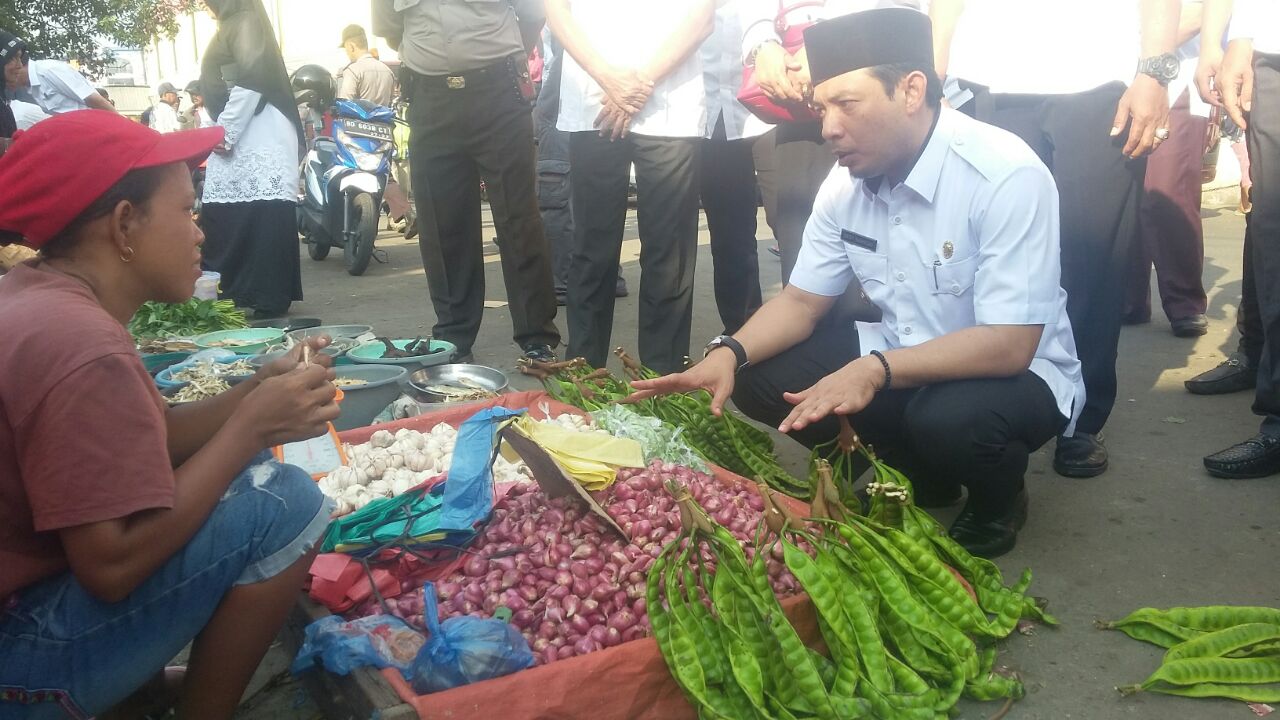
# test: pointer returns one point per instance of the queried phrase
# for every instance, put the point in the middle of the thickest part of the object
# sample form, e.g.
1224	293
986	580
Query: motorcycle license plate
377	131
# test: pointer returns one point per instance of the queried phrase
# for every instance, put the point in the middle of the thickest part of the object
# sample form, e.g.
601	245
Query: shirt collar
927	168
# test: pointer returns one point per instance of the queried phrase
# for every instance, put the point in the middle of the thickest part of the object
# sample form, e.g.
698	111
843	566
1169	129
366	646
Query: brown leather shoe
1080	456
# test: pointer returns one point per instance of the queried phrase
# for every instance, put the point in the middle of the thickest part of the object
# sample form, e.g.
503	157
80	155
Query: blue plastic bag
463	650
379	640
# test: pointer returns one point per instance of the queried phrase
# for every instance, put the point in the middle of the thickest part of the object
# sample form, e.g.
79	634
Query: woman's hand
774	66
292	406
294	357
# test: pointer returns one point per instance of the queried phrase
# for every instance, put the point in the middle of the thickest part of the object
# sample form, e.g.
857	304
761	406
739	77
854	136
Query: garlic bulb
380	488
395	459
342	478
381	439
417	461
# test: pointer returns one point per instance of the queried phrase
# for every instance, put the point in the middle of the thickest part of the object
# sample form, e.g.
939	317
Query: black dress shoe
1259	456
1080	456
1191	326
463	358
992	536
1234	374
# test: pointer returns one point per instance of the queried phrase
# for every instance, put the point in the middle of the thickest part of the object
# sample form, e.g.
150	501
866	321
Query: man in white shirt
952	227
1247	83
53	85
27	114
164	116
196	115
1054	73
631	92
728	187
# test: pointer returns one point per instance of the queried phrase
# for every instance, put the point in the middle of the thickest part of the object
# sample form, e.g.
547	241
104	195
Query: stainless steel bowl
455	375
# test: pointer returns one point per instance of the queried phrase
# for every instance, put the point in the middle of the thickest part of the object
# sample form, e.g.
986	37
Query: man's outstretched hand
714	374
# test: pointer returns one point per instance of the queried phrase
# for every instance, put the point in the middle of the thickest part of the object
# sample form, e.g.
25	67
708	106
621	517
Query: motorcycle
343	179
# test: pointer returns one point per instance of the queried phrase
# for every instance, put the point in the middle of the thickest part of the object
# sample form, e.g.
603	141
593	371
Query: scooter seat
325	148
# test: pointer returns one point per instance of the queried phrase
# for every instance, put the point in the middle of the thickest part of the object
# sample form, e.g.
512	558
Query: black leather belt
499	72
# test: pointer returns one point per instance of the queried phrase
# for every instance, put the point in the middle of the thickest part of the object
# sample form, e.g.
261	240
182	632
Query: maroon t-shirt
82	426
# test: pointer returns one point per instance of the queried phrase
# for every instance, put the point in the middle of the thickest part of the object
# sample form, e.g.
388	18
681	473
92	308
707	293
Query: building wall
308	32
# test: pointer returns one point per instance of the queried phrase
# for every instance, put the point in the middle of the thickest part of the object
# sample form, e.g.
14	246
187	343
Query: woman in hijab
251	182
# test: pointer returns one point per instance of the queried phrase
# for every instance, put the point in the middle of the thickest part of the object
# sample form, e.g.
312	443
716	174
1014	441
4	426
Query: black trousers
1263	137
729	194
1248	314
976	433
667	216
1099	192
483	131
254	245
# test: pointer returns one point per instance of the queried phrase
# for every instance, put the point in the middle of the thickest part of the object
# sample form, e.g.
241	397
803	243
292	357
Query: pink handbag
754	98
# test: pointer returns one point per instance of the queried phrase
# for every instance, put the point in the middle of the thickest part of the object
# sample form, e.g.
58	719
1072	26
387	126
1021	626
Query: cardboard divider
627	682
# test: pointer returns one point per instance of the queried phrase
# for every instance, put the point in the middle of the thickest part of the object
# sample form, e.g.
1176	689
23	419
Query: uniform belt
481	77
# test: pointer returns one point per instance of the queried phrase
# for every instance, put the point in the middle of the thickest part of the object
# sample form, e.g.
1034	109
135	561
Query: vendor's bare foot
151	700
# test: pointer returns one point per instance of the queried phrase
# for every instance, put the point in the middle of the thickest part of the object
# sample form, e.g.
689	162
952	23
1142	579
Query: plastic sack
464	650
383	641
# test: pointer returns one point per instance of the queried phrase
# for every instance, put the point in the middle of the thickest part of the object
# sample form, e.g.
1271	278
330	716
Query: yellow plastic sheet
592	459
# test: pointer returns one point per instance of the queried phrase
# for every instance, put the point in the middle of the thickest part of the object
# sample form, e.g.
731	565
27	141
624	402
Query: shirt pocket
869	267
953	277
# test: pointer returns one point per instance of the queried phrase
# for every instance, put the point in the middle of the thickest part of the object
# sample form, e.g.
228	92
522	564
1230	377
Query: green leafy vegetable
193	317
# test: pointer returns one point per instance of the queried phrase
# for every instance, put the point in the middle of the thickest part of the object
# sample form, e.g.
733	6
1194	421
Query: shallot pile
572	585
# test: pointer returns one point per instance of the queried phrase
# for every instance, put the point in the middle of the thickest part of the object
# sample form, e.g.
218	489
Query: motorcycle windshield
364	110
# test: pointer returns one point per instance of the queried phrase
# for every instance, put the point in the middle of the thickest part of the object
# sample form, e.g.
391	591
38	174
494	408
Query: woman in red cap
128	528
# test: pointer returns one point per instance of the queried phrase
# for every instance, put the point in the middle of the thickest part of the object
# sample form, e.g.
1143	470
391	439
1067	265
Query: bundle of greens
193	317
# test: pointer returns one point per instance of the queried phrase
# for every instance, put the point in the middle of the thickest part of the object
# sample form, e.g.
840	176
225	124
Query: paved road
1153	531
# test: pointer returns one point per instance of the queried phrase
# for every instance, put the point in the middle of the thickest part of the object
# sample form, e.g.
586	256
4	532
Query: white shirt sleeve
823	267
1245	18
68	82
235	117
1019	267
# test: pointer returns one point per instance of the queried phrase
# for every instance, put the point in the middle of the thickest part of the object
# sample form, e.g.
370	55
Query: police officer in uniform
467	82
365	77
952	227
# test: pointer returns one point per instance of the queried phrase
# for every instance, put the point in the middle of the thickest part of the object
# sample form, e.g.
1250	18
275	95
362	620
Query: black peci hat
865	39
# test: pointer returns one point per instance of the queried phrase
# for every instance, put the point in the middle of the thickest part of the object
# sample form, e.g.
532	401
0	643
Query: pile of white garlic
392	463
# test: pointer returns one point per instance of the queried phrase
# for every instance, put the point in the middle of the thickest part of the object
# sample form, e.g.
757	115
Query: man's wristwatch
739	352
1164	68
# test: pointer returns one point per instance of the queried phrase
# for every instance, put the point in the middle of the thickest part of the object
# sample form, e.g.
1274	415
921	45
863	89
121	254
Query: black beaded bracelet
888	374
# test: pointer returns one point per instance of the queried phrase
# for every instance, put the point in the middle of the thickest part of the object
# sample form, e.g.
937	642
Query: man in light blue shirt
951	226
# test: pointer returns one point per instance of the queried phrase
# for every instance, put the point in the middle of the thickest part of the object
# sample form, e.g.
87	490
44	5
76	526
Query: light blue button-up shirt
969	238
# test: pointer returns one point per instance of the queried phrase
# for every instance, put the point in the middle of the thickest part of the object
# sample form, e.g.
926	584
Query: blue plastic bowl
164	378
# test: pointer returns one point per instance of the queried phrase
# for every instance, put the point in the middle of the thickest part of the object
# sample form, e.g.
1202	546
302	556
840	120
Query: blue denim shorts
64	653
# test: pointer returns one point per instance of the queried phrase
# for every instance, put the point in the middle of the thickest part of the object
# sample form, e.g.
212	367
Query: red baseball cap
55	170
